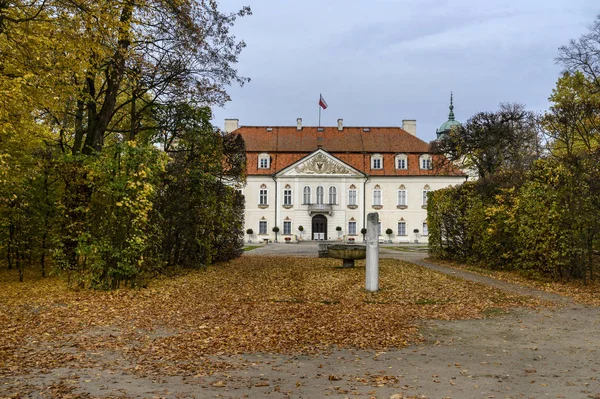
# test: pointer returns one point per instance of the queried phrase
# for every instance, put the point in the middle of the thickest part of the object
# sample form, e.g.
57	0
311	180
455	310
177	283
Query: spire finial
451	114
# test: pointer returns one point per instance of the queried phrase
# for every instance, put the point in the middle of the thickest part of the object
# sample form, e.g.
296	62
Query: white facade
320	192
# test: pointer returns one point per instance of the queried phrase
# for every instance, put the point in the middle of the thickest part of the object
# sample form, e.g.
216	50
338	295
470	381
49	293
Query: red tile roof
353	145
350	139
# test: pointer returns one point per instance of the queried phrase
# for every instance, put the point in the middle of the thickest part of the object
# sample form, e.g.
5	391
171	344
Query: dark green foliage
199	216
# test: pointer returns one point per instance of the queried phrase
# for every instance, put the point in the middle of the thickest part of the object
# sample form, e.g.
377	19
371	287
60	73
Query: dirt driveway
552	353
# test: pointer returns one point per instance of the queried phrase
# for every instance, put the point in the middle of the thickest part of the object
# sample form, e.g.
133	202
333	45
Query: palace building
319	183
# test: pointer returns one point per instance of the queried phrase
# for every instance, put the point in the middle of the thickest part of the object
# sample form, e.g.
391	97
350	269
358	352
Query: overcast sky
377	62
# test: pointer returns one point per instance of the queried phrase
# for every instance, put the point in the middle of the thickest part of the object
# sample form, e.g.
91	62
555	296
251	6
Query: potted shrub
275	230
249	232
363	231
339	230
389	233
416	231
300	229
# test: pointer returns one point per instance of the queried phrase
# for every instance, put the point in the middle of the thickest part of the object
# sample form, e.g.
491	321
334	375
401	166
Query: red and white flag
322	102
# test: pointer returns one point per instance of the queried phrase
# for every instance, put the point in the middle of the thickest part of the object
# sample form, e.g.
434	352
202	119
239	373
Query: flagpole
319	115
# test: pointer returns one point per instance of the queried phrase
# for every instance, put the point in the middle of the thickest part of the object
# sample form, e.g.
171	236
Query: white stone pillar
372	278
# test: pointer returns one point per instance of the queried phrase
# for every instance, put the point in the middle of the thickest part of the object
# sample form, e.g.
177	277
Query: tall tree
491	142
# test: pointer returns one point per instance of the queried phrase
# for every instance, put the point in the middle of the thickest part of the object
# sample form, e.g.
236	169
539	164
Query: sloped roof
352	145
350	139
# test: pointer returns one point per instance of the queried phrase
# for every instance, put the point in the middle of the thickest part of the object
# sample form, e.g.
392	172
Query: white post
372	278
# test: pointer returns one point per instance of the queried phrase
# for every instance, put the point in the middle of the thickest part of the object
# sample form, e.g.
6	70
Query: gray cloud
378	62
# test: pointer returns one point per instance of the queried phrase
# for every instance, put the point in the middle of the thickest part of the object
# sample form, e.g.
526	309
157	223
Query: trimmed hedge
547	226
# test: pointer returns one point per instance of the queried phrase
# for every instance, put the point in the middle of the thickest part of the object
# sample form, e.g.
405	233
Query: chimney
299	124
231	125
410	125
340	125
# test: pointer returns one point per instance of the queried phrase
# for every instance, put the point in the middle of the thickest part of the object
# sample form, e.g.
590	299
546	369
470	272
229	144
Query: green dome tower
450	123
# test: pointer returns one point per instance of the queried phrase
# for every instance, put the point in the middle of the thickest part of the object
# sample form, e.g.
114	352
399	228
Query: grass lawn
251	247
251	304
410	248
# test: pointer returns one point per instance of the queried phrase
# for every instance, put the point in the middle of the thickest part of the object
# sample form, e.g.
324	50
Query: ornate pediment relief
321	164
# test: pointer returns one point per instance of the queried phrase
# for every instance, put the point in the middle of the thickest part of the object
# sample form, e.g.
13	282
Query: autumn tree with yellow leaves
81	84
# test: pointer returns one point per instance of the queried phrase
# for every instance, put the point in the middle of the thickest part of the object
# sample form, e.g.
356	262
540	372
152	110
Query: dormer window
264	161
376	161
425	161
401	161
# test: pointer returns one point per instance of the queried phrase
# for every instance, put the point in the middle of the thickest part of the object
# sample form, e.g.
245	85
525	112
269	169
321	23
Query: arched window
320	195
332	195
306	195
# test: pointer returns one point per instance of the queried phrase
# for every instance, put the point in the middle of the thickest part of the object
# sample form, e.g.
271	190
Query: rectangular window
402	197
262	197
287	227
262	227
378	228
426	163
401	164
401	228
351	228
377	197
425	197
425	229
264	163
287	197
352	197
376	163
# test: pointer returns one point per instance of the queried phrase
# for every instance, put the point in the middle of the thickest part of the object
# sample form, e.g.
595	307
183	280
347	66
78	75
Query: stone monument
372	278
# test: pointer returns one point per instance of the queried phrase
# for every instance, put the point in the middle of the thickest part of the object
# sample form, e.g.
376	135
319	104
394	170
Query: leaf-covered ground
251	304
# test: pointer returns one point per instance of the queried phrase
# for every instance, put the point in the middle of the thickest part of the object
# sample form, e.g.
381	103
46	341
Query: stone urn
349	253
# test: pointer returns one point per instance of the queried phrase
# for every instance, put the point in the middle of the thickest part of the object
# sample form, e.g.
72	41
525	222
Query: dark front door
319	227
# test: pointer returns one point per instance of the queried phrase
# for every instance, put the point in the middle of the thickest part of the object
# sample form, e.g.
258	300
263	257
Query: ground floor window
352	228
262	227
287	227
425	229
401	228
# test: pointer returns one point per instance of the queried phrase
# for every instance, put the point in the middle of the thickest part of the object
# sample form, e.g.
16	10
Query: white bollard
372	278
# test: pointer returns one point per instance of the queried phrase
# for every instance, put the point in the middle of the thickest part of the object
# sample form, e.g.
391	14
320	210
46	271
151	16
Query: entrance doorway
319	227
